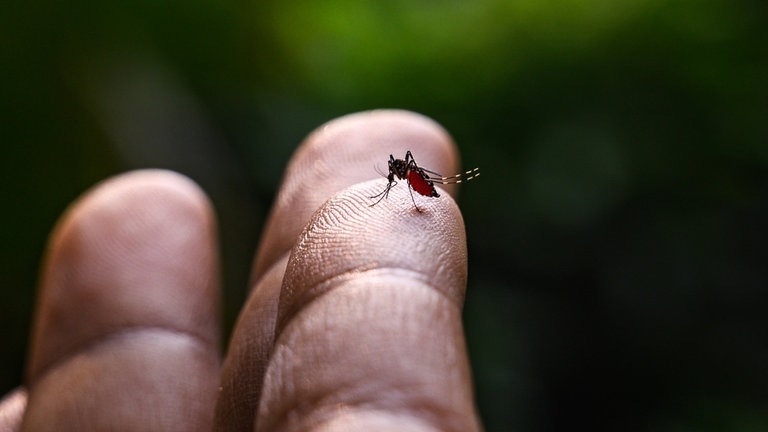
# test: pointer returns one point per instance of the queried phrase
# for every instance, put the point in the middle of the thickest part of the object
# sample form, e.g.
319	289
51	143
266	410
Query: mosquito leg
383	194
410	190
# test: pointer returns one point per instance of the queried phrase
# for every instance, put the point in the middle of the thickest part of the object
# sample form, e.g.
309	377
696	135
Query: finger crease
99	341
292	307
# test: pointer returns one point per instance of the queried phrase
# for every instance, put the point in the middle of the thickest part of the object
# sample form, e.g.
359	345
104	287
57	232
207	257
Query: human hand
352	323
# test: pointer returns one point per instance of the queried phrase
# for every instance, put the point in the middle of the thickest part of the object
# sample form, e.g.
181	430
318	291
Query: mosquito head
398	167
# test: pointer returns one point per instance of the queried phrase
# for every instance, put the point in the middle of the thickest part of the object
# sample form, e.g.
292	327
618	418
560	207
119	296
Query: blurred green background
617	269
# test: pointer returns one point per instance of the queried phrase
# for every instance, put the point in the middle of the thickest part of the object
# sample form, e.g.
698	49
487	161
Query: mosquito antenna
378	170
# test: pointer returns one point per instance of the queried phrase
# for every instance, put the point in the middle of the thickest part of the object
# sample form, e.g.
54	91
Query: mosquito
419	179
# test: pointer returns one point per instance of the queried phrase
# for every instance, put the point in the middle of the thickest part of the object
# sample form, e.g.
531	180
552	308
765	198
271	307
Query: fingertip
343	152
126	327
12	408
136	250
348	235
125	191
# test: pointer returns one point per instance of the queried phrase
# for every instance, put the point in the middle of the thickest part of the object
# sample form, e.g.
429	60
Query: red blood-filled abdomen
421	185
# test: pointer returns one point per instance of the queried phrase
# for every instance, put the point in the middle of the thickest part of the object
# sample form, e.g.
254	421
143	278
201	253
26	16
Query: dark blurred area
616	236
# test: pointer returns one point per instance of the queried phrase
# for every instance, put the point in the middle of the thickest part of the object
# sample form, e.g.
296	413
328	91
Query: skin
353	321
